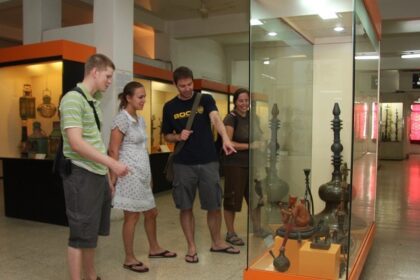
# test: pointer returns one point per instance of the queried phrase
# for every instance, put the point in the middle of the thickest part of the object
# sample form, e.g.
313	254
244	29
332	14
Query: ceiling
401	19
187	9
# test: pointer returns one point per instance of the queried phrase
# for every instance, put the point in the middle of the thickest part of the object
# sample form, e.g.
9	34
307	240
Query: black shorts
88	207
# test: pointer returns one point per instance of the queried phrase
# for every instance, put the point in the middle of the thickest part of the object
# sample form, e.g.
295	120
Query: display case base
263	268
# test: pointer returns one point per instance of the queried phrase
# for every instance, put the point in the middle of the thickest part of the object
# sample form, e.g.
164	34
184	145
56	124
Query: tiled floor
30	250
396	249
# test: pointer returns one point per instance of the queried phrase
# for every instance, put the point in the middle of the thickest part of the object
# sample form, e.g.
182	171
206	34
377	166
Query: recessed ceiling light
266	62
366	57
255	21
328	15
272	33
338	28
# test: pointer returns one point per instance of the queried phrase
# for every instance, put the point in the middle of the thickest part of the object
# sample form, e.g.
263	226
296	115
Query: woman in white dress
133	193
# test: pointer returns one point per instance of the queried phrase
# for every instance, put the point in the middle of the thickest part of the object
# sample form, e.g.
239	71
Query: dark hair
182	72
128	91
238	92
99	61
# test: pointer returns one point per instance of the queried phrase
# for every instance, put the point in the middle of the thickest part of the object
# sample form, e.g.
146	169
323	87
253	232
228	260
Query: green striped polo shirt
75	111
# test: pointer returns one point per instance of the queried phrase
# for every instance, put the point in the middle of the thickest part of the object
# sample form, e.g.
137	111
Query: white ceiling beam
217	25
399	27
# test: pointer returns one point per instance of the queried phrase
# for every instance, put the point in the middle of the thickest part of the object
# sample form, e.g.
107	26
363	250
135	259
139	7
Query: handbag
169	167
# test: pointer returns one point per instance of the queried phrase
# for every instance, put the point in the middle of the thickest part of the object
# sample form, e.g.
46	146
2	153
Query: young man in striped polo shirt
87	191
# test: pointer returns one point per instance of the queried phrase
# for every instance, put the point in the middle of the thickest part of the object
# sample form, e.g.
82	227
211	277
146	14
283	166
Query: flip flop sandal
234	239
227	250
136	267
194	258
164	254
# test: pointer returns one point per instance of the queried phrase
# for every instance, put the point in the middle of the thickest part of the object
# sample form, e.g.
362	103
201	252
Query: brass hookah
332	192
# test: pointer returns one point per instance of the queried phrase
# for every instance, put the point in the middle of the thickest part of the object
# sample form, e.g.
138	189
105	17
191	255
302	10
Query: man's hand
228	147
119	168
112	188
185	134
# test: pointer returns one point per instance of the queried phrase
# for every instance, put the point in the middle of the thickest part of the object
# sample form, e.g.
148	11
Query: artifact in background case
38	141
26	111
332	191
54	139
321	236
27	103
46	109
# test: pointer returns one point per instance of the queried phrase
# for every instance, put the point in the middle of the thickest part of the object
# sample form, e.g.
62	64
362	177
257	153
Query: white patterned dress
133	192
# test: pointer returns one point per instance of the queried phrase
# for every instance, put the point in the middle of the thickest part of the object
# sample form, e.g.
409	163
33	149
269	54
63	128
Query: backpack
61	164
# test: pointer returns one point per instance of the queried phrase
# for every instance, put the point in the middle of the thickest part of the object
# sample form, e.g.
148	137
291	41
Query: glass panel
365	137
301	80
281	114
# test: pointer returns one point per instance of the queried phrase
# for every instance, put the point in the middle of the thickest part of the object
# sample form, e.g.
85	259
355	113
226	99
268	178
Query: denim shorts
189	178
88	206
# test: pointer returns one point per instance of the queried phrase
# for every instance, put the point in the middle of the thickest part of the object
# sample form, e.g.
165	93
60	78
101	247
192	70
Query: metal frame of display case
31	190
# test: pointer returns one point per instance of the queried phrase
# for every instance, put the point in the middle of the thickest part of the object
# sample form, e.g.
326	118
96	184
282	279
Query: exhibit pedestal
318	263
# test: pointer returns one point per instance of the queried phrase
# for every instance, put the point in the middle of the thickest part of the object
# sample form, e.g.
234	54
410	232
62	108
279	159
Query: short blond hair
99	61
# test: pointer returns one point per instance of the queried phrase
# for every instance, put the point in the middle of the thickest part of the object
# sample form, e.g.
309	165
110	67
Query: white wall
80	33
333	72
204	56
237	64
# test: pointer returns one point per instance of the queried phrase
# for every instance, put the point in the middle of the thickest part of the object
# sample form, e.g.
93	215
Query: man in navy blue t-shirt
196	166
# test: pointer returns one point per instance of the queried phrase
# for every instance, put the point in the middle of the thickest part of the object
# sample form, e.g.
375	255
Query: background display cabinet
33	77
392	136
313	177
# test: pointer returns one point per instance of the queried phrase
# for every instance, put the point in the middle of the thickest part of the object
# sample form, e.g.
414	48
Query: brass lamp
27	103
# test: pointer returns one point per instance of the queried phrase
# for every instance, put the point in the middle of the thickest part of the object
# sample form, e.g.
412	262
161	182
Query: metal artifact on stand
277	189
308	202
332	191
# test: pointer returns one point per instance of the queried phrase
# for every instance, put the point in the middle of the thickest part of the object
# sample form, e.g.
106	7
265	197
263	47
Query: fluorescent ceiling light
338	28
255	21
411	55
366	57
266	62
328	14
272	33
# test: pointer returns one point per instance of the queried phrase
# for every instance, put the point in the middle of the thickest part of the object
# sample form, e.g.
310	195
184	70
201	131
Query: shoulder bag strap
189	121
92	105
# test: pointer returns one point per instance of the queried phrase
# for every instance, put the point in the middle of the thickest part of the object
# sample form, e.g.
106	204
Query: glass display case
313	183
33	77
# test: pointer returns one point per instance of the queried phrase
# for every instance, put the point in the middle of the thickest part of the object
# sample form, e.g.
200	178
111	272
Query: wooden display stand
318	263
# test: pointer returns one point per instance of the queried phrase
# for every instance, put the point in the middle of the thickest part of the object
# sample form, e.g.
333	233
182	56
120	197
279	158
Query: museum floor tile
30	250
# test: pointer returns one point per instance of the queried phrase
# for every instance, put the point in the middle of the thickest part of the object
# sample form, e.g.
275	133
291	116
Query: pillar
113	31
38	16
